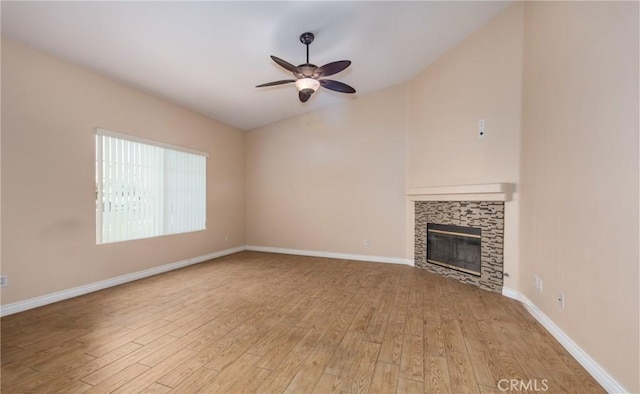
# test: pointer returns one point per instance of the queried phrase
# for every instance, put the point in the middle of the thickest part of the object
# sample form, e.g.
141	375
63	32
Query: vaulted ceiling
208	56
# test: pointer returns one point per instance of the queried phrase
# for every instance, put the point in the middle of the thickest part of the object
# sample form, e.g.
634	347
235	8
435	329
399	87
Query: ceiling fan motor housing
307	71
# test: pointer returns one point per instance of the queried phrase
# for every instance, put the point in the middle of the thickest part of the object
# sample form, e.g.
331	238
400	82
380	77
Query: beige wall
49	111
580	176
326	181
481	78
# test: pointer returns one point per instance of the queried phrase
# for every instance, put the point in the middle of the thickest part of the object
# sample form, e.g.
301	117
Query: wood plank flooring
269	323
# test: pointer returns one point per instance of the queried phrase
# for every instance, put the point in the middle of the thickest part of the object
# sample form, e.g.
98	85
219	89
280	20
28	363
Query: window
146	189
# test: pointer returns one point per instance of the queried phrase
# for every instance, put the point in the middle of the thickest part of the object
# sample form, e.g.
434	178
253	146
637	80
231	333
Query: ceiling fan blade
303	97
286	65
276	83
336	86
333	68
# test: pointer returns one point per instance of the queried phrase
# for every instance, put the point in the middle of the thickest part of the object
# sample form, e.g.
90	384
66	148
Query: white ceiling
208	56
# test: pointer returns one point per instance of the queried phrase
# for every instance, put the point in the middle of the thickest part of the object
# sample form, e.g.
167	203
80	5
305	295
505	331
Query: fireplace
455	247
451	236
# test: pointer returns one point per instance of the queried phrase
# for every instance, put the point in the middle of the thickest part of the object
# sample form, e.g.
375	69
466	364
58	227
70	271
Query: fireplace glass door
454	247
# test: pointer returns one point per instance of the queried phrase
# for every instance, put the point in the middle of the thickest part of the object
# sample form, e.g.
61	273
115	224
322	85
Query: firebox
454	247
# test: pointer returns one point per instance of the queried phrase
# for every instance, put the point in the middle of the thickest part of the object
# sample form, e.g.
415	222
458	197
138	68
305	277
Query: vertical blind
147	189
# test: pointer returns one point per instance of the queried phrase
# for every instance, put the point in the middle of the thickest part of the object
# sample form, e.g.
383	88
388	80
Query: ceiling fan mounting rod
306	39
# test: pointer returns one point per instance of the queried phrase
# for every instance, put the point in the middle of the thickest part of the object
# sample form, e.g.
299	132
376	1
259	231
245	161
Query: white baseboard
598	373
36	302
331	255
80	290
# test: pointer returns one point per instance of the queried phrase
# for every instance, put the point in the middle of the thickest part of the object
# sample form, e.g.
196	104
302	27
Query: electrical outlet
561	300
366	242
3	280
537	283
226	238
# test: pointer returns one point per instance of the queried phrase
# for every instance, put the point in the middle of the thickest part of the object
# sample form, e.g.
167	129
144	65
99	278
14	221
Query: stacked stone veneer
487	215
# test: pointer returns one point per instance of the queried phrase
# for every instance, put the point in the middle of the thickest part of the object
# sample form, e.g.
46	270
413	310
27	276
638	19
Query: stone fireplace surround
470	206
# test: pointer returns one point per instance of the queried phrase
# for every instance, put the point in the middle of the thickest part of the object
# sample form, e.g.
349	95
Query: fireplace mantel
483	192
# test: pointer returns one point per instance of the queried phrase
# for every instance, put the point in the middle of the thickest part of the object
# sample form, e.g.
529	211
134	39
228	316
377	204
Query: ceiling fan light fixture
307	85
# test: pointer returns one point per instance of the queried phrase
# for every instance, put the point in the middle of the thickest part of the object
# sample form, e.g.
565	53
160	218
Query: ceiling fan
308	75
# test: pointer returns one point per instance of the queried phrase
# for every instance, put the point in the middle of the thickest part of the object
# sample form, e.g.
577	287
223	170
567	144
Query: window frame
99	179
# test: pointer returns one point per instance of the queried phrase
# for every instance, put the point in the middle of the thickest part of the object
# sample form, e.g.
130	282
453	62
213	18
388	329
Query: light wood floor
269	323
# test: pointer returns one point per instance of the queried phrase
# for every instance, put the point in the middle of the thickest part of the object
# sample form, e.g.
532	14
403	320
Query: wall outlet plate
3	280
538	283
